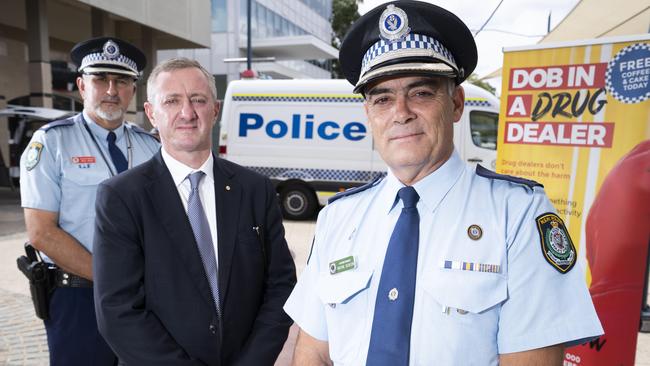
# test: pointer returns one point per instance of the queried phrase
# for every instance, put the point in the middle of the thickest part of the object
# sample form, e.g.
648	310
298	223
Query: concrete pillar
98	23
38	46
148	47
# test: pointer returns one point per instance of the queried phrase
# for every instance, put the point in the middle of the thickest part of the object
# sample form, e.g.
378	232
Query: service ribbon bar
474	267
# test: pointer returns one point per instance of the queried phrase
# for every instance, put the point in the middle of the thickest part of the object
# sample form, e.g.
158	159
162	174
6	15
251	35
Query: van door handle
475	160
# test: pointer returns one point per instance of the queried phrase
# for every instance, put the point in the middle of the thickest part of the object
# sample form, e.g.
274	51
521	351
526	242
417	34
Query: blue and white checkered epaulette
355	190
63	122
486	173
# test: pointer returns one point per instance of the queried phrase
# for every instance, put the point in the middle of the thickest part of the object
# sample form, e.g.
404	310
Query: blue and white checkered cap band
411	45
99	58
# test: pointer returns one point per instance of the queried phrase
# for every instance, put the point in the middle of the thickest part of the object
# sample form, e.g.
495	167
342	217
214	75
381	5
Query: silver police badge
393	23
557	246
111	49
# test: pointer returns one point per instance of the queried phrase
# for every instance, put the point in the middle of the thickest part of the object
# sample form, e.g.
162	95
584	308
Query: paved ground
22	337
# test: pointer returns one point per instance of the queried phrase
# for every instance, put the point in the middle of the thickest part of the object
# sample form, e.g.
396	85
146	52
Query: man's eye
380	100
423	93
170	102
198	101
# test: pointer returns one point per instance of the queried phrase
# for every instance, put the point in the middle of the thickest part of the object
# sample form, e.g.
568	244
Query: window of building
219	14
267	23
483	126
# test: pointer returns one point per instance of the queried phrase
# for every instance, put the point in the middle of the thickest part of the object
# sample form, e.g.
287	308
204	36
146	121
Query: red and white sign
563	134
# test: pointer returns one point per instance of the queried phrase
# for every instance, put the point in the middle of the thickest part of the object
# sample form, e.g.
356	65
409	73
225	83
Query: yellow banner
568	114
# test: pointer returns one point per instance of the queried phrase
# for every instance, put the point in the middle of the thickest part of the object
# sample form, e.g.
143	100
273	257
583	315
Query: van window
483	126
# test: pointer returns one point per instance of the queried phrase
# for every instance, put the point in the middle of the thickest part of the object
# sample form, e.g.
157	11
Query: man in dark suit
191	266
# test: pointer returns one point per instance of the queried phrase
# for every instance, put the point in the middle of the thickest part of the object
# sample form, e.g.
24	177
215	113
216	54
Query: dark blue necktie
116	155
201	229
391	326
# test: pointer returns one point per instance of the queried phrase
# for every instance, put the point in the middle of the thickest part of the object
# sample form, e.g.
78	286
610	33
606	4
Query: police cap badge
407	38
108	55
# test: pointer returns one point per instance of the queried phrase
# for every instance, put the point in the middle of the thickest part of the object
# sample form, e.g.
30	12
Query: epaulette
355	190
138	129
63	122
486	173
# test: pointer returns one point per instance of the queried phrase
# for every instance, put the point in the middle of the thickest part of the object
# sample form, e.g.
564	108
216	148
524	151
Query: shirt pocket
80	176
463	309
345	297
466	291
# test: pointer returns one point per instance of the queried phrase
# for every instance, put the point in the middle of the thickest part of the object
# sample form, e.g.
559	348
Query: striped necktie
201	229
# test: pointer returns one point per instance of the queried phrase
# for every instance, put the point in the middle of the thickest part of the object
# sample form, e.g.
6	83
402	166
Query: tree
344	14
473	79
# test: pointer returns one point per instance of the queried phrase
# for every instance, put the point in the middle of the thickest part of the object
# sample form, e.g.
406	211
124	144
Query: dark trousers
72	335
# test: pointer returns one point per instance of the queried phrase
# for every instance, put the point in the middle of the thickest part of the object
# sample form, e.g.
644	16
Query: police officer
438	263
60	171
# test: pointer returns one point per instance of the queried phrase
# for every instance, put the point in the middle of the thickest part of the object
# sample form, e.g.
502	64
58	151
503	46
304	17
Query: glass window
260	30
483	126
219	14
269	23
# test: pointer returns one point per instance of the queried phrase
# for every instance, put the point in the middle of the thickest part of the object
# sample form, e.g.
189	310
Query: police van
310	137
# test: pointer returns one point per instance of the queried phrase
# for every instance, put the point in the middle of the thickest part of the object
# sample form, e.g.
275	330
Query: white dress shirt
180	173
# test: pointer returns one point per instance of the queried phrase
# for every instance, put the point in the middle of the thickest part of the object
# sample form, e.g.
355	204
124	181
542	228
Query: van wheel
298	202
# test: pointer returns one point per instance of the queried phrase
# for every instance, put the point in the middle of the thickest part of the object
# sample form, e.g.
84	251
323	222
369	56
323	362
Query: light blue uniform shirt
460	317
62	167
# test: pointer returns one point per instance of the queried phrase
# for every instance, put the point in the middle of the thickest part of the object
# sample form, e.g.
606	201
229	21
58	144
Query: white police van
311	138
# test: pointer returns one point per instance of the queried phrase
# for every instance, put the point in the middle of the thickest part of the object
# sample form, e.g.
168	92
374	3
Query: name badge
83	162
342	265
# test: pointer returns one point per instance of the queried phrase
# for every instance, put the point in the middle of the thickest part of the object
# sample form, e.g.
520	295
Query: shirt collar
431	189
100	131
180	171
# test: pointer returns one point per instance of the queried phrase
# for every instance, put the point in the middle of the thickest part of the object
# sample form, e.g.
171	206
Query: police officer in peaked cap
439	262
59	173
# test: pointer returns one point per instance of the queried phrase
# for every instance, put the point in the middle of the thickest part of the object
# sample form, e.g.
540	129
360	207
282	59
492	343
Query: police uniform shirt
62	167
512	300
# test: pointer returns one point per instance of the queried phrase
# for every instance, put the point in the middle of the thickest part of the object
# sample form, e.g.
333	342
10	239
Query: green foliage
344	14
473	79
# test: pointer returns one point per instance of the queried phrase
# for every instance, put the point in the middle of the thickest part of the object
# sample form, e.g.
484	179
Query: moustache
111	99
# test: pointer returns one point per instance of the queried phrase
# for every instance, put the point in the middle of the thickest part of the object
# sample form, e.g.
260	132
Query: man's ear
81	86
459	102
148	110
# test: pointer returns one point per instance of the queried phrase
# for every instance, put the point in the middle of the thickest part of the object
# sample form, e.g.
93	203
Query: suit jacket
153	300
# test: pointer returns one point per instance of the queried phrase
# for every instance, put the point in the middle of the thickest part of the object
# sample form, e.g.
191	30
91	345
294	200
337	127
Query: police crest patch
33	155
557	247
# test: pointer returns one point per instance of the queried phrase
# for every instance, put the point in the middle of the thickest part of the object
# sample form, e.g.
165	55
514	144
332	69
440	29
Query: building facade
36	37
291	39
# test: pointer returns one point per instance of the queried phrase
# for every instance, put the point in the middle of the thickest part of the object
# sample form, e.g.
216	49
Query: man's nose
403	112
112	87
188	111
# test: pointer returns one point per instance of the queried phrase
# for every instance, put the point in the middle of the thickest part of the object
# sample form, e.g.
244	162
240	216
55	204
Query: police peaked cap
108	55
407	37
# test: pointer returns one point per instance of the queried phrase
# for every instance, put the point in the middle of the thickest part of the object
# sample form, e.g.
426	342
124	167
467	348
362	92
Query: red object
618	234
248	74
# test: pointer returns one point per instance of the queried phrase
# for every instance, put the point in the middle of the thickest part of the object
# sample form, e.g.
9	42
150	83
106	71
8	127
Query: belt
65	279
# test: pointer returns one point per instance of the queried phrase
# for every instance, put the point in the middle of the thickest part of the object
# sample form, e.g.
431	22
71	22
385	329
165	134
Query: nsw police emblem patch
556	243
33	155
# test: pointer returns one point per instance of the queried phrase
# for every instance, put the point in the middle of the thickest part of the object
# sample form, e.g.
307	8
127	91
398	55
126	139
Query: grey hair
178	64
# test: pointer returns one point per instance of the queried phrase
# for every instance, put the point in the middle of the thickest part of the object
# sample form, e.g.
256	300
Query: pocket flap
342	287
466	290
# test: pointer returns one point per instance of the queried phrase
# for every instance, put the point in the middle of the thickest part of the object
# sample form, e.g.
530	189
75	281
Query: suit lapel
169	209
228	197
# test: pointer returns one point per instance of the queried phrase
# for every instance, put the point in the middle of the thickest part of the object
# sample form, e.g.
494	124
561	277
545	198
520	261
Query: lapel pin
227	188
475	232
